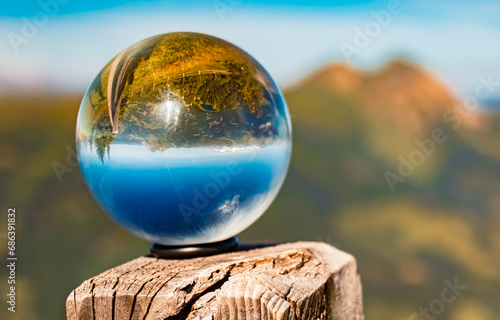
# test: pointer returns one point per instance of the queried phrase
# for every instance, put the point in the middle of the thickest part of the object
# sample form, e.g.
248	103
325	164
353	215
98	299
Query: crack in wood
154	295
185	311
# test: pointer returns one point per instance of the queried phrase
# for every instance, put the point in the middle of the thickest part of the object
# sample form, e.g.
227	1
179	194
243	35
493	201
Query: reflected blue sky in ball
186	195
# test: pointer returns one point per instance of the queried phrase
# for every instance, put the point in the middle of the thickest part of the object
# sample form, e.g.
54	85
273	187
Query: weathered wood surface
303	280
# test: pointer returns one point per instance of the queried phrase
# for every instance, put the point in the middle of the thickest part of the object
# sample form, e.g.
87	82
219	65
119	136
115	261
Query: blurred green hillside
351	130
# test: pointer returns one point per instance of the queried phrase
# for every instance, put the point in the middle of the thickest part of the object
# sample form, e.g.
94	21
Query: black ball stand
193	251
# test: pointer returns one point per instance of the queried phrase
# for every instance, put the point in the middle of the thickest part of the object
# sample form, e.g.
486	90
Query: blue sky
456	40
13	9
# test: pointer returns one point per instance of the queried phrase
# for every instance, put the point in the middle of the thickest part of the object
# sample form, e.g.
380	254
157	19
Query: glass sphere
183	138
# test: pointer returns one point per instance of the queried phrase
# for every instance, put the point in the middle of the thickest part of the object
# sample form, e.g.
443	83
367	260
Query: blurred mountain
386	165
390	167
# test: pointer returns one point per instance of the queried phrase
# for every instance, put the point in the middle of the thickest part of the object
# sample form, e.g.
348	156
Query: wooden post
302	280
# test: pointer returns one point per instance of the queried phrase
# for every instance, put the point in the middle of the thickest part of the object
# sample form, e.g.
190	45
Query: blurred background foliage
441	223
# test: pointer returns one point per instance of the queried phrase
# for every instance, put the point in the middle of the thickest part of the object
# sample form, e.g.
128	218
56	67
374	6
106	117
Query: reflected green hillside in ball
208	85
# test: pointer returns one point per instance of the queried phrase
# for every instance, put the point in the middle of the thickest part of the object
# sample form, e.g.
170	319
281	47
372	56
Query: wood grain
302	280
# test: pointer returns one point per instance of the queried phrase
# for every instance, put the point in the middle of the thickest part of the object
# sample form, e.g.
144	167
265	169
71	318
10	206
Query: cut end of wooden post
302	280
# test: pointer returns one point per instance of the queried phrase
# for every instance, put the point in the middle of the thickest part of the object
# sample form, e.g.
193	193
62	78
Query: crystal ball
183	138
